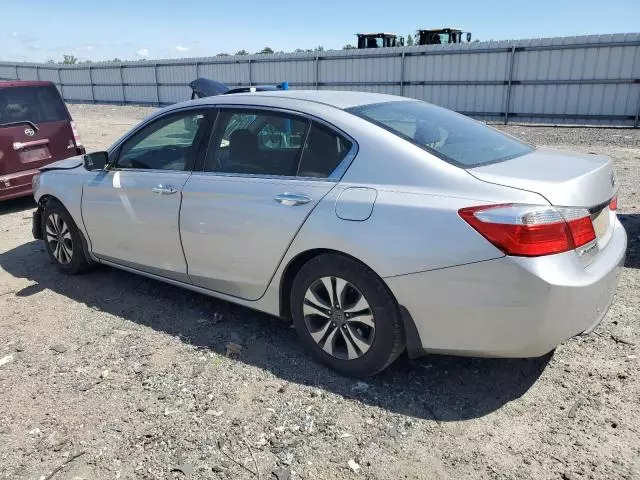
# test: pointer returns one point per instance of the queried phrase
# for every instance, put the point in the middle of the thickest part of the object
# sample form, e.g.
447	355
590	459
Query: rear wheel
63	240
346	315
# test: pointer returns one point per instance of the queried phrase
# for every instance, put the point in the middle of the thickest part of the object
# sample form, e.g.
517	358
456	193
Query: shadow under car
442	388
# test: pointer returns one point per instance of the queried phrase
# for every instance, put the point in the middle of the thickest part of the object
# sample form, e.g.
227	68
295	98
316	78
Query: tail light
531	230
613	204
76	138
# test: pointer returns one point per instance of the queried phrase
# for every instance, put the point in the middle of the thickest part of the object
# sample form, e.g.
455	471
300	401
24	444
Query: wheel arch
294	266
45	199
412	337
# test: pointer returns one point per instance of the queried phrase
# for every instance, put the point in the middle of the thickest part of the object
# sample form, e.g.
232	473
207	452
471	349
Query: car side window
170	143
256	142
323	152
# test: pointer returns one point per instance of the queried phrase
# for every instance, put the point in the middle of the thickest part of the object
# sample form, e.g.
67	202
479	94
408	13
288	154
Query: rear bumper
511	306
16	184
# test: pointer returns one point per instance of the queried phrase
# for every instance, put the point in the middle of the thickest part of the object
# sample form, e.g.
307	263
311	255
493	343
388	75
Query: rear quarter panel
406	232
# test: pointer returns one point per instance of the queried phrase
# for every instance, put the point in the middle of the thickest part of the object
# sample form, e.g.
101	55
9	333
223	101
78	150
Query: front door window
167	144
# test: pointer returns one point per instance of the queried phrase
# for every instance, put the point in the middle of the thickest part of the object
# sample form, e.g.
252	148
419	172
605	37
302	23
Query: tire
375	334
63	240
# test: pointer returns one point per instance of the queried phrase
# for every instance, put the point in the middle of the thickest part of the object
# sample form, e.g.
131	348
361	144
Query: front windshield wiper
21	122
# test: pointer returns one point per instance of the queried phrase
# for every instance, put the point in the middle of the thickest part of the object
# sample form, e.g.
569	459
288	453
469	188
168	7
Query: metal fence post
37	73
636	123
124	96
249	72
17	77
93	95
61	84
317	71
155	76
402	74
197	69
510	80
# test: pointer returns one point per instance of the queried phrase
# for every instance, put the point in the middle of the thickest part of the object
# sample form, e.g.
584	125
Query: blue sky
134	29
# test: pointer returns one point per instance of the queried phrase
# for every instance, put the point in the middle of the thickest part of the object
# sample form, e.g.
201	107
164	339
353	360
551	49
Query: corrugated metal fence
583	80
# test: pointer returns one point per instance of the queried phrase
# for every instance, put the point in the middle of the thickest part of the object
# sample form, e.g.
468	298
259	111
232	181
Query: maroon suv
35	130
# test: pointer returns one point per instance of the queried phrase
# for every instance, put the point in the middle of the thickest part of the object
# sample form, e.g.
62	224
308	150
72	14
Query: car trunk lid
564	179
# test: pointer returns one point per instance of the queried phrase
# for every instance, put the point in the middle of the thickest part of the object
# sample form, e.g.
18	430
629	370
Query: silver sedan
375	223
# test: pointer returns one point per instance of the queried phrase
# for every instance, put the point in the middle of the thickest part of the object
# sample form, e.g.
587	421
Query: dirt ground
134	376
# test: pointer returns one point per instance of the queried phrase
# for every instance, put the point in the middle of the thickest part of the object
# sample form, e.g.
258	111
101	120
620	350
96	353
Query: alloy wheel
339	318
59	238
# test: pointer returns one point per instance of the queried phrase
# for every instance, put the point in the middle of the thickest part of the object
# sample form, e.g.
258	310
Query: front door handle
164	190
292	199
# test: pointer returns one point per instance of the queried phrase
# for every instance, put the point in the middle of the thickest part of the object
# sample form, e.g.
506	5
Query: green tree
69	60
116	60
319	48
348	46
266	51
51	61
242	52
222	55
409	41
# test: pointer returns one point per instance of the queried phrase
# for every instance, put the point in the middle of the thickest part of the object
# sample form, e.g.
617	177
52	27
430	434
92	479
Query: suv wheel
63	240
346	315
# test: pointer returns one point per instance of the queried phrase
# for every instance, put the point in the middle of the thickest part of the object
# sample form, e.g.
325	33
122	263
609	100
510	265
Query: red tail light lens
613	204
76	135
531	230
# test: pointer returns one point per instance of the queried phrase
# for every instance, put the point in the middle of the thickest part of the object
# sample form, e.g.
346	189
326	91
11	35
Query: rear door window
323	152
37	104
256	142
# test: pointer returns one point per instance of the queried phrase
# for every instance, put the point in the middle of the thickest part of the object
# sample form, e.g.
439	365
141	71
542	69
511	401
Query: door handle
292	199
164	190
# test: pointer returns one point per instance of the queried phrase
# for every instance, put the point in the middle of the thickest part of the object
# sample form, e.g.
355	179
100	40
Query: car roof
334	98
23	83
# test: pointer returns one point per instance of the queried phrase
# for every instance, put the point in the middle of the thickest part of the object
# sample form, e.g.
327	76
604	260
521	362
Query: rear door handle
164	190
292	199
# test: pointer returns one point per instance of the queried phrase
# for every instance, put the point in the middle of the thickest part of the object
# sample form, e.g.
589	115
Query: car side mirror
96	160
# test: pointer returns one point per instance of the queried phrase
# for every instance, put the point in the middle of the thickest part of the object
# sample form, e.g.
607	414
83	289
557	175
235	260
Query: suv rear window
38	104
452	137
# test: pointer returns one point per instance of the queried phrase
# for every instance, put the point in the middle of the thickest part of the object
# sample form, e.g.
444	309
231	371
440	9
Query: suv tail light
531	230
613	204
76	138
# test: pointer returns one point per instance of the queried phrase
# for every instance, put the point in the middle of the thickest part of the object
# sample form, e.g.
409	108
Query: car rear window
38	104
454	138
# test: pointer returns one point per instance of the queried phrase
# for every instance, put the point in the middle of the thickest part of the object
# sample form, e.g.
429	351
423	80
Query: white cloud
180	48
14	34
143	52
86	48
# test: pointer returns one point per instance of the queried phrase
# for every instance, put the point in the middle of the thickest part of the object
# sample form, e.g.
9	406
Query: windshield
31	104
450	136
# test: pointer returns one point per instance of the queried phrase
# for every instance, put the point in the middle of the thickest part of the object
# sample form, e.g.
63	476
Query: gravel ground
135	376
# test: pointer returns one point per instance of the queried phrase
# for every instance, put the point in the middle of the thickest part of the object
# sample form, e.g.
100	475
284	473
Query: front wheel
63	240
346	315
